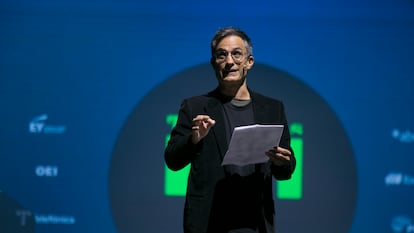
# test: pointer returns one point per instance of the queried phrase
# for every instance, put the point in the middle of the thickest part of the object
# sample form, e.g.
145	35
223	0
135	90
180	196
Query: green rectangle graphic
292	189
176	181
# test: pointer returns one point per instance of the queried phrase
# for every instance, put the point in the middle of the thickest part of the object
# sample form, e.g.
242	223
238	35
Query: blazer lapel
259	109
215	111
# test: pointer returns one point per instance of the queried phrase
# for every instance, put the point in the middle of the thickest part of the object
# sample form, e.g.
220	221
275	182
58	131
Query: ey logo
176	181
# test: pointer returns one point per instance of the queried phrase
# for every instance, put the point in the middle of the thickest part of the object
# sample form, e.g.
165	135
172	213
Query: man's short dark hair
231	31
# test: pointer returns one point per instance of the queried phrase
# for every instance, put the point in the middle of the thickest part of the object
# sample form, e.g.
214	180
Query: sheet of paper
248	144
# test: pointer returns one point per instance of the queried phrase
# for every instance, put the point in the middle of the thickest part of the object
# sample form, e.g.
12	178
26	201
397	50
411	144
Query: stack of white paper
249	144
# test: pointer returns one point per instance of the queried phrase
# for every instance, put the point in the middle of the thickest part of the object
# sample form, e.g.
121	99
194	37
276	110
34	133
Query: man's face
231	61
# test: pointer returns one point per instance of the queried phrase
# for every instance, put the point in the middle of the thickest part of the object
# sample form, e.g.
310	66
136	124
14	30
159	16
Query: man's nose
229	59
228	65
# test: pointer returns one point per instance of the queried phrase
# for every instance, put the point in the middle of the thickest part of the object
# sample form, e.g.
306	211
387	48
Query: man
228	198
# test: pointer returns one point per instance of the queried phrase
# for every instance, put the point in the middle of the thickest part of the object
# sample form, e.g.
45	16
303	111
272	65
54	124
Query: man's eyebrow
222	49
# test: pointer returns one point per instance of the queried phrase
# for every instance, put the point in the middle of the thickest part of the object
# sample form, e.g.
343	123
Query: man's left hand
279	156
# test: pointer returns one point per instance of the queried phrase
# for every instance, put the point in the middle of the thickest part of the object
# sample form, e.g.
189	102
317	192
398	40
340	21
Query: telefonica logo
22	215
54	219
398	179
404	136
38	125
402	224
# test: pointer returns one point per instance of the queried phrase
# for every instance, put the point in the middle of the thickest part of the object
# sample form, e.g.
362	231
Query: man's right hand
201	126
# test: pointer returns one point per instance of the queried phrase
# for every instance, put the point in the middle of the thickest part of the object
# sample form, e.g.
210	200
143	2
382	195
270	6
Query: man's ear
249	62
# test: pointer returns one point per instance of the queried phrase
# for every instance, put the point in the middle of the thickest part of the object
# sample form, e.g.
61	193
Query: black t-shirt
241	182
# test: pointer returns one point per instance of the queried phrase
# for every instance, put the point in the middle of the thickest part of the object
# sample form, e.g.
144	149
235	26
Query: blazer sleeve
284	172
180	151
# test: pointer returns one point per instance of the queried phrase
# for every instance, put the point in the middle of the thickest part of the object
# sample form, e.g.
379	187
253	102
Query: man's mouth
226	72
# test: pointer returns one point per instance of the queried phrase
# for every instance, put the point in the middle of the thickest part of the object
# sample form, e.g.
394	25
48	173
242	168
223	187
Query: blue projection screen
90	91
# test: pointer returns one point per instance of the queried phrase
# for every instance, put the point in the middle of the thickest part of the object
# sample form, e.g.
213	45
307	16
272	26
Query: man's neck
239	92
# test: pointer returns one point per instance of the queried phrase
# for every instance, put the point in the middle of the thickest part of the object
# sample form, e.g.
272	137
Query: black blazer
215	199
